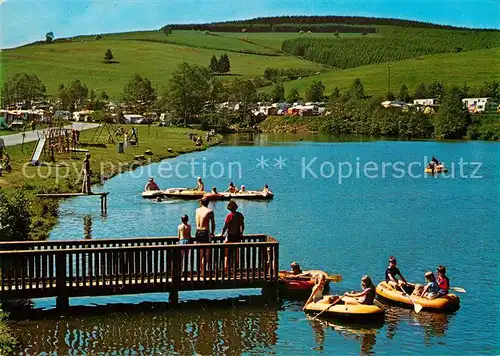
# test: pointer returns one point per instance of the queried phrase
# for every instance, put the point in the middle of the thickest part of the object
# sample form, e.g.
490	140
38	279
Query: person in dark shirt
392	273
235	226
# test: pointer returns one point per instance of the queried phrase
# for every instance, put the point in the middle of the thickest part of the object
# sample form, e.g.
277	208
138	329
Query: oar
417	307
335	278
331	305
458	289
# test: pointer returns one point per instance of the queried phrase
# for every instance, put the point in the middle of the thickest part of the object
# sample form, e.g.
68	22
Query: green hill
82	58
473	68
155	55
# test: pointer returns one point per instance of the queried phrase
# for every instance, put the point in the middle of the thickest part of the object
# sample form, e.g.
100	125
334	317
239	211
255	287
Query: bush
7	341
15	216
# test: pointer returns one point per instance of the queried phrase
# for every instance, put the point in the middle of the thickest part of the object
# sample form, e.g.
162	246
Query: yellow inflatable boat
449	302
440	168
356	312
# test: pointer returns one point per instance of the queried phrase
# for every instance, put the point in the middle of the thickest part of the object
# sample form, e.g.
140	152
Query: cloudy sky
24	21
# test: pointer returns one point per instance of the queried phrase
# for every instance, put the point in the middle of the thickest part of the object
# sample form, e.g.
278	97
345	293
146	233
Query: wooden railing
134	265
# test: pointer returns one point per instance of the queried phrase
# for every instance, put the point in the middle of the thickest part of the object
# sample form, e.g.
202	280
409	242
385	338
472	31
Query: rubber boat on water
153	194
355	312
184	193
293	283
248	195
440	168
449	302
190	194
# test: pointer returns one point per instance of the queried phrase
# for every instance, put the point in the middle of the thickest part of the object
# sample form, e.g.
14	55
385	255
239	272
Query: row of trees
397	44
221	66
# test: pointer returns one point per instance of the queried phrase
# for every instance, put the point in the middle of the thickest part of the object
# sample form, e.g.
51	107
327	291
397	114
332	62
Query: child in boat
442	280
391	274
317	291
184	231
431	289
367	296
265	190
243	189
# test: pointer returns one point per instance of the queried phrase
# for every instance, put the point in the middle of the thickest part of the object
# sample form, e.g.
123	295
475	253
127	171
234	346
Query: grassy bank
64	175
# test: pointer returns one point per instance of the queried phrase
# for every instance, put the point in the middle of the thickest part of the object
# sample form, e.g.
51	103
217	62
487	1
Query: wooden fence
99	267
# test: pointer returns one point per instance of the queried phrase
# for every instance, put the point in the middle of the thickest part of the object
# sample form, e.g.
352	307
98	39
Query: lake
343	205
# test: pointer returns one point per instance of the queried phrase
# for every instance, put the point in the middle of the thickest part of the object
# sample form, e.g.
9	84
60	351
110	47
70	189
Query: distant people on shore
151	185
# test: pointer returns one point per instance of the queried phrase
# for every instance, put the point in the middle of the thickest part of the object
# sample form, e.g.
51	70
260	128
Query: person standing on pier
205	229
86	175
235	226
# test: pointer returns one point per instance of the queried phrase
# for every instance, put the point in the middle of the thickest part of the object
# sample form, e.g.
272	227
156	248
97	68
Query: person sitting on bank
442	280
199	185
232	188
391	274
431	289
151	185
367	296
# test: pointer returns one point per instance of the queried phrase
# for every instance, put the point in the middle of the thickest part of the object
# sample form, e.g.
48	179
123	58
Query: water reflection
201	327
433	324
364	333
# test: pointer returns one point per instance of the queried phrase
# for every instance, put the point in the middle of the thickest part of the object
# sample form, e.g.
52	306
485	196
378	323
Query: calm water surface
349	228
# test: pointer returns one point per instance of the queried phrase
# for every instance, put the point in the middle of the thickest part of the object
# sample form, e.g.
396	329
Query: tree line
347	20
285	27
397	44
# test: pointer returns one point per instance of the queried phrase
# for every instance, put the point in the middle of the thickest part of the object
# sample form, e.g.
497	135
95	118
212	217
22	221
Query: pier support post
62	303
270	291
173	297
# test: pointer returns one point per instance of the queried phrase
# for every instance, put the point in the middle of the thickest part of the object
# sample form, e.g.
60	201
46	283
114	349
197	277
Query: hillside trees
167	30
15	216
293	96
315	92
73	96
221	66
188	90
108	56
139	93
22	88
49	37
278	93
452	119
404	94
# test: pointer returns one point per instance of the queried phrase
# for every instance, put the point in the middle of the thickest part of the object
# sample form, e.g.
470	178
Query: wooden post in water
62	300
173	296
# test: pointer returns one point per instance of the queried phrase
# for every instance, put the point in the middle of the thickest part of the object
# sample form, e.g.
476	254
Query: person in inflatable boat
367	296
431	289
391	274
442	280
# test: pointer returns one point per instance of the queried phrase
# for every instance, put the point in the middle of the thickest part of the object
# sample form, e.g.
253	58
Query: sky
24	21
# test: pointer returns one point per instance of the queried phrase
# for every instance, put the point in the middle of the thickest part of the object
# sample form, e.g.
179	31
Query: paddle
335	278
458	289
417	307
331	305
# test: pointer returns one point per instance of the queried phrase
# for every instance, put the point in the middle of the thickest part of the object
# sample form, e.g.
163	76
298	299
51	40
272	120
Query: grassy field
155	138
473	68
62	62
156	56
64	175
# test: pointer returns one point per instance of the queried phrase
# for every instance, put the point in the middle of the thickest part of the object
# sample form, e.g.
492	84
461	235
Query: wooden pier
104	198
76	268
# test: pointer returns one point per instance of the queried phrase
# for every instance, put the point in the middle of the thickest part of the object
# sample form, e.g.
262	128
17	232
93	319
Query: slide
37	152
3	124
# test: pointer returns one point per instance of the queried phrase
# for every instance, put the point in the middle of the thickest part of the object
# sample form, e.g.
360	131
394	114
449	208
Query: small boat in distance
440	168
